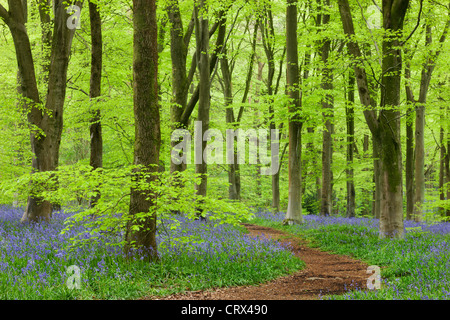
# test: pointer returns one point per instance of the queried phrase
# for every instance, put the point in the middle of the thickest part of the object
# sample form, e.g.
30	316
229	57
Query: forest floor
325	274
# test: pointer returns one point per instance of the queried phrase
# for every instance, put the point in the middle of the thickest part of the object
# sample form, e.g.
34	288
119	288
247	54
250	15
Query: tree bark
327	111
447	168
233	168
419	151
202	37
180	85
234	177
388	133
45	141
294	210
268	39
442	165
141	232
409	161
96	145
351	205
386	127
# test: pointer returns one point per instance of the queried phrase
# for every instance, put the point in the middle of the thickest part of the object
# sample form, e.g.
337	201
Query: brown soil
324	274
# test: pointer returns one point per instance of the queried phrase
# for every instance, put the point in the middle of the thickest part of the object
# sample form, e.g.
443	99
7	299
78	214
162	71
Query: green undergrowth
416	267
34	262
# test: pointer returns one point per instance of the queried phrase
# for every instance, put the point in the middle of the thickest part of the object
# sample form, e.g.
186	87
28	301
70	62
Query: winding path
325	273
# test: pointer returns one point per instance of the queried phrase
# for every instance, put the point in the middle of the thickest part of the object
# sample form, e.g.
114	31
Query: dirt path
325	273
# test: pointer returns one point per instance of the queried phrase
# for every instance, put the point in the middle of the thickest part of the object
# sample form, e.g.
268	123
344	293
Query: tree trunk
202	37
294	210
409	161
409	171
180	85
447	165
268	38
147	129
45	147
419	155
442	166
96	155
443	161
351	206
327	107
233	168
368	203
388	133
386	127
257	121
447	169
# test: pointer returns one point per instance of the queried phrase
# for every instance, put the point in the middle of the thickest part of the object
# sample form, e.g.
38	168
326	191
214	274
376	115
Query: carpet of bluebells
416	267
34	261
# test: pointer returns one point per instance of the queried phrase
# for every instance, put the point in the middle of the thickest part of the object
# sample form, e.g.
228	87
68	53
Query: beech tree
141	226
266	25
223	63
202	38
385	125
294	210
96	154
419	107
327	107
350	119
44	117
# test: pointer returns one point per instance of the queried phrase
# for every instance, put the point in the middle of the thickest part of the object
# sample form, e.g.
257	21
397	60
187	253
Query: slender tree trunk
233	168
202	36
441	166
409	171
147	129
96	155
180	85
268	38
443	161
257	121
182	108
376	208
419	155
419	164
447	169
368	201
234	177
351	205
327	107
446	164
419	151
409	161
294	210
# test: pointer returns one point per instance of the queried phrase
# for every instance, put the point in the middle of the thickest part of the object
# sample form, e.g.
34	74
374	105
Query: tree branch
360	73
4	14
417	25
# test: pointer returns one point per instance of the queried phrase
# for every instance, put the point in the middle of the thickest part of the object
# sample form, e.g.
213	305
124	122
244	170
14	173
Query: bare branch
417	25
4	14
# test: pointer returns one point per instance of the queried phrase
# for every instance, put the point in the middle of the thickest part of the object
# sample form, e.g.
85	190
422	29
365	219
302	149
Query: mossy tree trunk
141	231
294	210
385	125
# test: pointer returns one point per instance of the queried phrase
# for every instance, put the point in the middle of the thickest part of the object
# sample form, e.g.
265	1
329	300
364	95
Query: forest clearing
224	150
